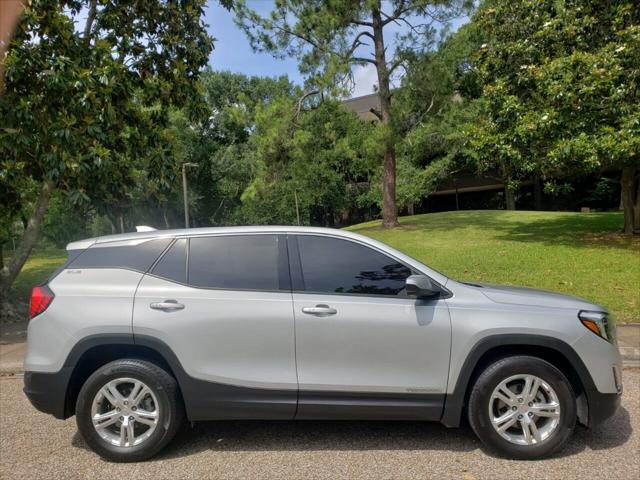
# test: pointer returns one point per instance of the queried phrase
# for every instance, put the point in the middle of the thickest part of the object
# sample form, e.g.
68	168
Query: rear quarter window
173	264
138	257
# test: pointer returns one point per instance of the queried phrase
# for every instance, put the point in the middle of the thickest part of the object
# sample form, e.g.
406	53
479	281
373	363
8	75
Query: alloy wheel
524	410
125	412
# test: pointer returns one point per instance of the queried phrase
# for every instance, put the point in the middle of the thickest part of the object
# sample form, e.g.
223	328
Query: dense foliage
105	100
88	88
561	93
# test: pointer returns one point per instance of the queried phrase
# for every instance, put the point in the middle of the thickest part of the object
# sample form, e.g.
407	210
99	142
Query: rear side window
333	265
71	256
235	262
138	257
173	264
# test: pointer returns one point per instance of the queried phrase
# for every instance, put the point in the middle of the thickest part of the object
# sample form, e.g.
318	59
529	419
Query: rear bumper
47	392
602	406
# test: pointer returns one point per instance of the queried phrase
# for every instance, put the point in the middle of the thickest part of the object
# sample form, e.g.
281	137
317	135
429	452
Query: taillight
41	298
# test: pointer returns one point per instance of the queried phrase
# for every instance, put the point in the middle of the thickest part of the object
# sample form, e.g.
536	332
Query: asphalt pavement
34	445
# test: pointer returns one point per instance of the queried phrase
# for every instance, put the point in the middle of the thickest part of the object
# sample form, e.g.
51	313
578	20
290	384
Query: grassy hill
575	253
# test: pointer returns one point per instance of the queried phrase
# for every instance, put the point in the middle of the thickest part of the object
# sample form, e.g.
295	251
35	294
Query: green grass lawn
575	253
40	265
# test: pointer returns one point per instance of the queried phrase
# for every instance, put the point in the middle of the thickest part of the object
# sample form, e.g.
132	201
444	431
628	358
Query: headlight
597	322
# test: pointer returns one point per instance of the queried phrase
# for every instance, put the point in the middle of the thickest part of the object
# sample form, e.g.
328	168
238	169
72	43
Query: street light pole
184	192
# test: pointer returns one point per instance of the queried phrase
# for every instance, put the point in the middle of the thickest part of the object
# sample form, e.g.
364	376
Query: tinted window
334	265
238	262
136	257
173	264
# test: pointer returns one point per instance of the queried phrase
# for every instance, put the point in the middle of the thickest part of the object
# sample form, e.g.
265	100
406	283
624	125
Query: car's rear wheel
128	410
522	407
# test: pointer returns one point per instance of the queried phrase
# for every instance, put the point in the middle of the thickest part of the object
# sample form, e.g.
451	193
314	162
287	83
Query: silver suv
138	331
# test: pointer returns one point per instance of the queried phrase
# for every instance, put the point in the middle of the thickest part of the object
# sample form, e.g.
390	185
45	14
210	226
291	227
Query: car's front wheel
522	407
128	410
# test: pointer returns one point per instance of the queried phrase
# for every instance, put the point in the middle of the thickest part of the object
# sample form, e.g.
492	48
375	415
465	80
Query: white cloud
365	78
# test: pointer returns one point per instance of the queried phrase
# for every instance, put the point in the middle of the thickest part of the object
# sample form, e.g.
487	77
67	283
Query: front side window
235	262
333	265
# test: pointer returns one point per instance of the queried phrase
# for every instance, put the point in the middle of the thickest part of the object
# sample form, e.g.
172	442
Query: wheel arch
94	351
489	349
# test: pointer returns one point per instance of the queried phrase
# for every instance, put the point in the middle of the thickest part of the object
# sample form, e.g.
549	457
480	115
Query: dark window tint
71	256
136	257
173	264
238	262
340	266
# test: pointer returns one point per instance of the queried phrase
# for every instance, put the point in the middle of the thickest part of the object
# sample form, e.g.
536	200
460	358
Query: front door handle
167	306
320	310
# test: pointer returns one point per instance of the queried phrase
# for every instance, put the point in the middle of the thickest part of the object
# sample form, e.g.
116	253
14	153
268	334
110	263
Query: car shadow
282	436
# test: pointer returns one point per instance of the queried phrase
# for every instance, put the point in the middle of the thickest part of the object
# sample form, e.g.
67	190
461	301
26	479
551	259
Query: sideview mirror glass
421	286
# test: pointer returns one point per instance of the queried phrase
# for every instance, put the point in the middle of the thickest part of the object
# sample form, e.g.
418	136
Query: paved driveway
34	445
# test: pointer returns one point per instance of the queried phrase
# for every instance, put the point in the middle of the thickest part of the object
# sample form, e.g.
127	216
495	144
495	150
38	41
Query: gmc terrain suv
138	331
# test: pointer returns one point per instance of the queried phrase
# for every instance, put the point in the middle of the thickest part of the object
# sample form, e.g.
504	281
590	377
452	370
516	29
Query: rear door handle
320	310
167	306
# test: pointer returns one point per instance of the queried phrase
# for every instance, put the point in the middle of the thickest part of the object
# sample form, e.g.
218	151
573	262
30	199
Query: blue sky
233	52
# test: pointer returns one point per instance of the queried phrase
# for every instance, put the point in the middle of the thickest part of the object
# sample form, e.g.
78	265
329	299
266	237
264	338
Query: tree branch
397	13
394	65
364	60
362	23
357	43
89	23
299	36
424	114
302	99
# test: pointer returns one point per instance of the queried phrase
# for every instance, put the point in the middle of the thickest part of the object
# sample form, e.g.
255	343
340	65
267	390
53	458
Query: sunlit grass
40	265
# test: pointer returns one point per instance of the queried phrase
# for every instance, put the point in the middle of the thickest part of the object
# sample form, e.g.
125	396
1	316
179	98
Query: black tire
170	409
491	377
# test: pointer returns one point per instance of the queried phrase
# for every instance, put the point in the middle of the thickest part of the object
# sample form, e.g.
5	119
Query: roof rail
145	228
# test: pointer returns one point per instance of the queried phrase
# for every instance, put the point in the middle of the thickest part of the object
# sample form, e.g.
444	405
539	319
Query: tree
434	102
561	91
308	165
329	37
83	105
218	142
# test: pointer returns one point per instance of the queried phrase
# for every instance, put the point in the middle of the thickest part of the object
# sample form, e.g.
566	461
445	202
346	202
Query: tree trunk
510	198
121	221
630	195
10	271
111	223
389	209
537	193
91	15
164	216
636	207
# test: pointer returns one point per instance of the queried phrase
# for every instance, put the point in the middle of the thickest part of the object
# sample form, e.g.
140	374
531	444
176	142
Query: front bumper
602	406
47	392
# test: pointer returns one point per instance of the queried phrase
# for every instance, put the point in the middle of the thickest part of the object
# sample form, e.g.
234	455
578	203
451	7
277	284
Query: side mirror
421	286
